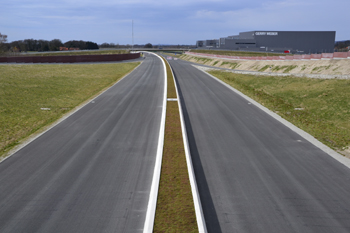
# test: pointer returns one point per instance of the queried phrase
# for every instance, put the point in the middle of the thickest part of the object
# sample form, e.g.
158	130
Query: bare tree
3	39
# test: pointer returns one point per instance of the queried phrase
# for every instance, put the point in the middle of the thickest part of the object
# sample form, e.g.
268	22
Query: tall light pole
132	29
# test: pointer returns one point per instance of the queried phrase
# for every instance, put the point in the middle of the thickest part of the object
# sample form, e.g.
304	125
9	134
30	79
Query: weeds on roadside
318	106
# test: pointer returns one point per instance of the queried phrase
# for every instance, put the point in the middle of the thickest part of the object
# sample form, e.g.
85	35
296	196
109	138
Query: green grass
289	68
277	68
320	68
76	53
264	68
203	60
232	65
285	68
236	53
25	89
175	207
325	103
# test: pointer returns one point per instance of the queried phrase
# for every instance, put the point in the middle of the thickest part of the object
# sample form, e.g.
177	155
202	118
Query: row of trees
148	45
54	45
110	45
113	45
42	45
80	44
34	45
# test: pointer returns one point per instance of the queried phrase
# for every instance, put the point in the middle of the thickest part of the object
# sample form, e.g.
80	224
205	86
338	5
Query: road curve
253	173
93	171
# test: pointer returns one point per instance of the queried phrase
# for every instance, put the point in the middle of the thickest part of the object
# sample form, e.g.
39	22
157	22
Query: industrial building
275	41
207	44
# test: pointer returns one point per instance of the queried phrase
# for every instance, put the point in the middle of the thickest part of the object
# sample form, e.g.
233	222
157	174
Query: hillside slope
327	67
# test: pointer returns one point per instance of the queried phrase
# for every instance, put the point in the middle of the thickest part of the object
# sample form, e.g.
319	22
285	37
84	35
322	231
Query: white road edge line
64	117
345	161
195	194
152	201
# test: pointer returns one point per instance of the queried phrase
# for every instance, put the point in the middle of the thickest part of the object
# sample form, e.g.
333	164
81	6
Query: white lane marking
342	159
172	99
49	127
152	201
195	194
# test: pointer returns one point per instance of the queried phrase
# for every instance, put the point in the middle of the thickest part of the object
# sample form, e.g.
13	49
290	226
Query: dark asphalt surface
93	171
254	174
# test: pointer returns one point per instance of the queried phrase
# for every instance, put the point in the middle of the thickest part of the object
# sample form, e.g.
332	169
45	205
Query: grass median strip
175	207
320	107
32	96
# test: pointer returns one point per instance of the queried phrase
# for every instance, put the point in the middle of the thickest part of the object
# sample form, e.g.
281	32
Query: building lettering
266	33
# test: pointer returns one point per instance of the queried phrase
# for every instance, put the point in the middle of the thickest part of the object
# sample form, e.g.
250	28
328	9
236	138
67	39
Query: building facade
277	41
207	43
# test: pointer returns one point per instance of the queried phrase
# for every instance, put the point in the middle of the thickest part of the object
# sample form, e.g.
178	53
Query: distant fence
70	59
323	56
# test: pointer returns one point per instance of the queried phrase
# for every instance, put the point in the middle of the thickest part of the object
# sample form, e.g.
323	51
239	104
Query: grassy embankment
173	54
319	107
224	64
175	208
236	53
210	61
75	53
25	89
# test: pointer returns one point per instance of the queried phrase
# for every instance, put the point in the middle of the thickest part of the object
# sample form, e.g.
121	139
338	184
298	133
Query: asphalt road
93	171
253	173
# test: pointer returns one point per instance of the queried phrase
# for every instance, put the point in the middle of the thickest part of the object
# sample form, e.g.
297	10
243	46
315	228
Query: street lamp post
132	35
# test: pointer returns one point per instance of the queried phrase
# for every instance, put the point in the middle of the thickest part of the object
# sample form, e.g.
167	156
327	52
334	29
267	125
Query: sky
165	21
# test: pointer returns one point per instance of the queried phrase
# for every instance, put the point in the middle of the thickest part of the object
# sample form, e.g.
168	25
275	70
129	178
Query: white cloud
181	20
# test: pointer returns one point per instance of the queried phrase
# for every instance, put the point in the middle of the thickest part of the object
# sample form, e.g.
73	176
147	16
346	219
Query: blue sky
166	22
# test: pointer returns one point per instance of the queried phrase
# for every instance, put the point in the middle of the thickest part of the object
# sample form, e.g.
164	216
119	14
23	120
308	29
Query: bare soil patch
328	67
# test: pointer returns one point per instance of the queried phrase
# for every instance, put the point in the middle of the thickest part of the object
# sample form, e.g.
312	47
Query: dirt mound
327	67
